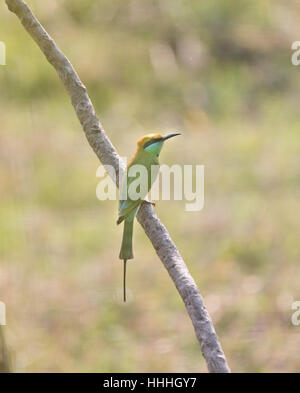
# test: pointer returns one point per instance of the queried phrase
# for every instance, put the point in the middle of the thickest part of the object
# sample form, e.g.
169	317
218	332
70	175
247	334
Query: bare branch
155	230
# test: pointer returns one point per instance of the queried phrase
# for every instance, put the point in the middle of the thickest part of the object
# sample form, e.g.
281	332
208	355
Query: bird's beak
170	136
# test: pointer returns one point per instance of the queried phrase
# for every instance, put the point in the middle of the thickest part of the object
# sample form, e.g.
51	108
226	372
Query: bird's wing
127	206
128	209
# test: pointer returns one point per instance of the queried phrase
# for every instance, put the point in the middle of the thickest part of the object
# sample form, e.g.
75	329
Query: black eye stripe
152	141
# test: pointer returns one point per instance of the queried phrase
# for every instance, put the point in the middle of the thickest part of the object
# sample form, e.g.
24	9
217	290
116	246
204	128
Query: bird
146	155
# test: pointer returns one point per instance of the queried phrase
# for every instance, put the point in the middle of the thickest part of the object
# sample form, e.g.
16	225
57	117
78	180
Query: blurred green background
221	72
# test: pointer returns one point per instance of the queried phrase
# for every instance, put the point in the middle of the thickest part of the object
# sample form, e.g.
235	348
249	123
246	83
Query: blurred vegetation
5	361
220	71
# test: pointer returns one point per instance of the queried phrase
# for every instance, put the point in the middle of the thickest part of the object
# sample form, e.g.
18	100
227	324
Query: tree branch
155	230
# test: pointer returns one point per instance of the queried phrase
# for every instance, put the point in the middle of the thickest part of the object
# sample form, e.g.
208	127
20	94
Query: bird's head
153	142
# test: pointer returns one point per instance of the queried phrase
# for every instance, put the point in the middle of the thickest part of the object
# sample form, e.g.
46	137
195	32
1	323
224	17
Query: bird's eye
149	143
152	141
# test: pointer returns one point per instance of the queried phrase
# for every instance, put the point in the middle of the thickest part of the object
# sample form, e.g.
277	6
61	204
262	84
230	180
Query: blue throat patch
155	148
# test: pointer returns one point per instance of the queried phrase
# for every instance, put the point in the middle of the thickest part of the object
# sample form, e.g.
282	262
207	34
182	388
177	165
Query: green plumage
148	149
126	248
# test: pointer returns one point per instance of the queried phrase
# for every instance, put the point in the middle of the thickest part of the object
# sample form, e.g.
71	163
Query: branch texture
155	230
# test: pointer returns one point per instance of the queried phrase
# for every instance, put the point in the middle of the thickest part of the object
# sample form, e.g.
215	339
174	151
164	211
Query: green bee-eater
147	153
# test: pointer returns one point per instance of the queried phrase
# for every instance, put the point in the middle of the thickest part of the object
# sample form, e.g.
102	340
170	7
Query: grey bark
155	230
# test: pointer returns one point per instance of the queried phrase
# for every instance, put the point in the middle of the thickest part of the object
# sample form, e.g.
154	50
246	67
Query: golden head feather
146	138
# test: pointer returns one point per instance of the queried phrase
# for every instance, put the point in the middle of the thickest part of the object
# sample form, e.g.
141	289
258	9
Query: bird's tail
126	248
